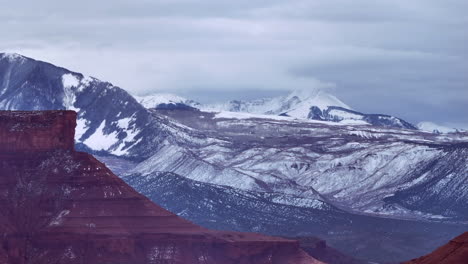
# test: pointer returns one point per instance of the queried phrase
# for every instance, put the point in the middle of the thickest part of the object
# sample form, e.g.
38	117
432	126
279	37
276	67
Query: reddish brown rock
37	131
63	206
455	252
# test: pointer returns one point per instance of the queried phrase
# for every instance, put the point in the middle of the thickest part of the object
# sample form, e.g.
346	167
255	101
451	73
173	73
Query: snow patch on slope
81	128
127	124
101	141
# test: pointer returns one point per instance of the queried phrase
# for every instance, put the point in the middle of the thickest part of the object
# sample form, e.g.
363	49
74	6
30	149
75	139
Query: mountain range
313	103
339	173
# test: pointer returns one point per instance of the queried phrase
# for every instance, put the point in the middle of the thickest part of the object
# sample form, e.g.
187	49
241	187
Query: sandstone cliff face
23	131
62	206
454	252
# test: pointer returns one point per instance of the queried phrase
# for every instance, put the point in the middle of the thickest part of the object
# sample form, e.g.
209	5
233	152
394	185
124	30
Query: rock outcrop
63	206
454	252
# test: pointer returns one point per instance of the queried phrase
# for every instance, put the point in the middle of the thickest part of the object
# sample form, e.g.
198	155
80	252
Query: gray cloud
391	56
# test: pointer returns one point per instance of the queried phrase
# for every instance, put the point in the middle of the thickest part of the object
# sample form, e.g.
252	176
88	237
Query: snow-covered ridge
106	137
296	104
435	128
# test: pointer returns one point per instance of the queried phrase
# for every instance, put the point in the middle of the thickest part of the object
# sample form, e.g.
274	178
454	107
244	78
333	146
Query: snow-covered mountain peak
318	97
154	100
299	102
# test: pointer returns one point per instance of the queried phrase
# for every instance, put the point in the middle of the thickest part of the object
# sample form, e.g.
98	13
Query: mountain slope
381	171
225	208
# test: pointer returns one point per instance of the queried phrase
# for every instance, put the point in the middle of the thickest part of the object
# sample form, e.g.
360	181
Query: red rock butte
454	252
63	206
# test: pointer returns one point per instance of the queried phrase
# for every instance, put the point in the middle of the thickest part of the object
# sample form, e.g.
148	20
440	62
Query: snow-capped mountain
109	119
296	104
315	103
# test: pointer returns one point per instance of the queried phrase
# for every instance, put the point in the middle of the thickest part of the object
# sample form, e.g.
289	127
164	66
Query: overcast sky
403	57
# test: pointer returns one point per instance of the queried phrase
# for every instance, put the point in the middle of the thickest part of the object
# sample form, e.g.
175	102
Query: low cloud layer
407	58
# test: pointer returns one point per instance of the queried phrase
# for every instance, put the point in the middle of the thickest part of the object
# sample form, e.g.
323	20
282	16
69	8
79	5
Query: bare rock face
455	252
63	206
